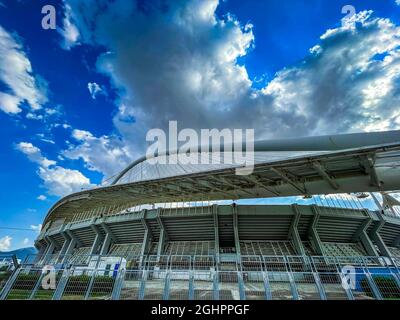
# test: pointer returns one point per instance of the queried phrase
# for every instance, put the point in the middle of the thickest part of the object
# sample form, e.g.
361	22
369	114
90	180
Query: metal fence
205	278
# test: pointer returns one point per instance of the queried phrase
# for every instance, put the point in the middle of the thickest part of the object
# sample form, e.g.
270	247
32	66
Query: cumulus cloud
34	154
9	103
25	242
177	60
57	180
105	154
351	80
5	243
17	75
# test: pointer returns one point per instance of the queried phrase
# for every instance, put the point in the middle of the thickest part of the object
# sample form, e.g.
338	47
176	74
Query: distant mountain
20	253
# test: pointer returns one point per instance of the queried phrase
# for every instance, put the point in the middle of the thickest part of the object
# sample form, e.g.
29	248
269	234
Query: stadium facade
181	232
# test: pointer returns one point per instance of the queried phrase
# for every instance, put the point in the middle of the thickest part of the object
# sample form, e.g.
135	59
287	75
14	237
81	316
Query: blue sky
76	102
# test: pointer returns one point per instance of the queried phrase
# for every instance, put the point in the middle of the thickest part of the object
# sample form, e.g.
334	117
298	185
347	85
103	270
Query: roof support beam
290	180
368	163
322	172
211	186
175	189
253	179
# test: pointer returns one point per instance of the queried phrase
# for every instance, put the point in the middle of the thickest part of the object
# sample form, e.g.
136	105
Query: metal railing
205	277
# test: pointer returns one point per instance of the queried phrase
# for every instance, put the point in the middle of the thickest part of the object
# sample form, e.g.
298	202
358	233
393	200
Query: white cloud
351	81
60	181
17	75
25	242
9	103
34	154
69	32
36	228
350	78
5	243
105	154
398	2
42	197
95	90
57	180
34	116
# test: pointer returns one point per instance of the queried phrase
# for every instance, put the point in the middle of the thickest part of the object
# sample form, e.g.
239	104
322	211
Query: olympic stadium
319	222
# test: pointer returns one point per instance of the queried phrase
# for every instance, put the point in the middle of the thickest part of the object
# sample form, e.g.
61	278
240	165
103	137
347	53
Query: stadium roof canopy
362	162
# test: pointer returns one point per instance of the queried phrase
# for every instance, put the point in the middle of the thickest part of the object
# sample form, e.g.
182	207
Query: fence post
242	292
191	285
320	287
267	286
90	286
37	285
373	286
62	284
166	286
142	285
293	286
215	286
118	285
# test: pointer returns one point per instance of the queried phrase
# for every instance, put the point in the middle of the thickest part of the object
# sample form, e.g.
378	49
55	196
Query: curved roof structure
305	166
264	151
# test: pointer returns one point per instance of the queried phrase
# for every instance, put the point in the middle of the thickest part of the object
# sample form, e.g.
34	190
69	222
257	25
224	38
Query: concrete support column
313	233
163	235
294	233
51	248
97	240
41	250
109	237
375	236
45	249
236	228
216	231
64	247
147	236
362	235
106	244
68	252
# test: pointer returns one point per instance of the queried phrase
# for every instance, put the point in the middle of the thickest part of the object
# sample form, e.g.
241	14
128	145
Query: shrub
386	285
77	285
